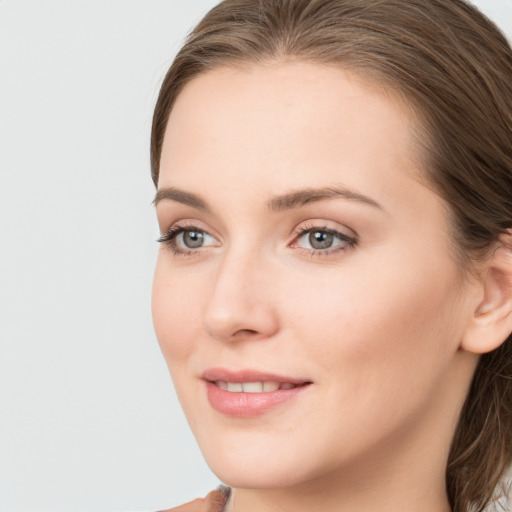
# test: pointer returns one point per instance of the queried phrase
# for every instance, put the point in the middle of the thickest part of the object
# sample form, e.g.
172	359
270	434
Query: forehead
285	120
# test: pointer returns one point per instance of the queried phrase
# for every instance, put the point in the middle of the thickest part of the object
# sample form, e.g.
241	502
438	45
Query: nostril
246	332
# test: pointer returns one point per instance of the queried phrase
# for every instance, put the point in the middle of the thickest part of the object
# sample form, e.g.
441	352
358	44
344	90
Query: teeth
270	386
253	387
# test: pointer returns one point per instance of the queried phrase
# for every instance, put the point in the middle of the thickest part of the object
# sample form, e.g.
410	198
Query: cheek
386	320
176	304
381	347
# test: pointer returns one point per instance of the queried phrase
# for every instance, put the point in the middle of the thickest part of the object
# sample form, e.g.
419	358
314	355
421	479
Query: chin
260	461
264	474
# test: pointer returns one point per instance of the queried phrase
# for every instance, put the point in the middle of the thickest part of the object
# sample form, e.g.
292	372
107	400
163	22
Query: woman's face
306	268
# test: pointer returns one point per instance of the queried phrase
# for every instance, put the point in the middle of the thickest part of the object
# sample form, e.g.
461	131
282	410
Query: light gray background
88	417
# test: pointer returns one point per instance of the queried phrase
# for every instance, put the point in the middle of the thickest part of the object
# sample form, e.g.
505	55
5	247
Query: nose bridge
240	299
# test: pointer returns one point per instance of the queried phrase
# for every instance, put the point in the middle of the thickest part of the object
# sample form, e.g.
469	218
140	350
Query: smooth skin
379	318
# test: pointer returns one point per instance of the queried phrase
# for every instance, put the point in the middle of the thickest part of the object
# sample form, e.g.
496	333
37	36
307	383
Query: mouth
256	387
247	393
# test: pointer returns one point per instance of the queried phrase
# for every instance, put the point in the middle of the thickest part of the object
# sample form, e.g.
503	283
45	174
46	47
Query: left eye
323	239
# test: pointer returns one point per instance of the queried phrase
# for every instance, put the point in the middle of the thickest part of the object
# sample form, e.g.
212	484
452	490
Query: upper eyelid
319	225
324	225
186	225
337	232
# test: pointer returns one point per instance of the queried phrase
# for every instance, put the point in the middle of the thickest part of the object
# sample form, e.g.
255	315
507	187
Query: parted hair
454	68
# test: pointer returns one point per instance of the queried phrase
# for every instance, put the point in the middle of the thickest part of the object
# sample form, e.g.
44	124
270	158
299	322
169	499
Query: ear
491	322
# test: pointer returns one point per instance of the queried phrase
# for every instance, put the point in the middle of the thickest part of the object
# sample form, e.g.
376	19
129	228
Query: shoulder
213	502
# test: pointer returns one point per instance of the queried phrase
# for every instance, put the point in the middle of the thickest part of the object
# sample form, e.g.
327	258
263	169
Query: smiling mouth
249	393
241	396
256	387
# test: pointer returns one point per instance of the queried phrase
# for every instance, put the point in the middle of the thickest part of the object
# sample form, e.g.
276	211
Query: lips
250	393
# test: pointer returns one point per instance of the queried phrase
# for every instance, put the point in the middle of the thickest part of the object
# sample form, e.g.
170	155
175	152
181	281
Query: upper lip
222	374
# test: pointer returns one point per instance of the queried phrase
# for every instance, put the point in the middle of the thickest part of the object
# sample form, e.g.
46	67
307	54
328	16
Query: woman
333	293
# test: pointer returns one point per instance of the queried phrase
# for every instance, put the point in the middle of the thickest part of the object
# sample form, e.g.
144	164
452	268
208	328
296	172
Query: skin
377	327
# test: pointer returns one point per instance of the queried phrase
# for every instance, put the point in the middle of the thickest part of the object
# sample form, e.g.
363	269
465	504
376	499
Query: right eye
185	240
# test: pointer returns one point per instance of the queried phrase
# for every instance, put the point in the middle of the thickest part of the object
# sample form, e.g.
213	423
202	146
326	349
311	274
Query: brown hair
455	69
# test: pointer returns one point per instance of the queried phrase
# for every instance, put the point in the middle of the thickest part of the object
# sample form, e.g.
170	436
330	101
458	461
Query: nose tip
236	320
240	307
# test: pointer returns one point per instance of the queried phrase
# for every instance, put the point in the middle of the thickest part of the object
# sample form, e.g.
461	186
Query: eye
323	240
186	239
320	240
192	239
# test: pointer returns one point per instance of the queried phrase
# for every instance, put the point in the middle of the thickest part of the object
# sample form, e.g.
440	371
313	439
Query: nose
240	305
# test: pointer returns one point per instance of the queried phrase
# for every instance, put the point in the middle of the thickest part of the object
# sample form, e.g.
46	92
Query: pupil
193	239
320	240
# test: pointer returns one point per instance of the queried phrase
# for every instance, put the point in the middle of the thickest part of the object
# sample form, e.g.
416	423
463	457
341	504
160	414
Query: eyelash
170	236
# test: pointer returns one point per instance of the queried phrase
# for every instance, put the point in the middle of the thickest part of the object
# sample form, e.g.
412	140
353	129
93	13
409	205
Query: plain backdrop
88	417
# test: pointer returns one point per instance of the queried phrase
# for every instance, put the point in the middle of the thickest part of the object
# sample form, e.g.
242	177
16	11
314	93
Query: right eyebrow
182	197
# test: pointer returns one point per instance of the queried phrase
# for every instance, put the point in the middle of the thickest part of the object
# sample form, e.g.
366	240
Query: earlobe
491	322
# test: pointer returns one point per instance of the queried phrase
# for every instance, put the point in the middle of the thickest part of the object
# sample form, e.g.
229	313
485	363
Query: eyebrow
288	201
180	196
310	195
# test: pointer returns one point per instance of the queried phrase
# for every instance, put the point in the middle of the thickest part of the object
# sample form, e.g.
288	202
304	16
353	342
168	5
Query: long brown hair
454	67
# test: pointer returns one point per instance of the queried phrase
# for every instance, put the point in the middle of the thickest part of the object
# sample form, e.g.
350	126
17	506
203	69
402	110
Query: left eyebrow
288	201
309	195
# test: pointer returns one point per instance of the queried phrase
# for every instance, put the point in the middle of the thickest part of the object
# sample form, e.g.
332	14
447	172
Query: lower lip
246	405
